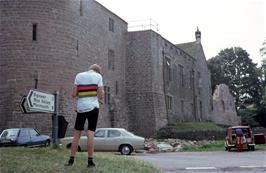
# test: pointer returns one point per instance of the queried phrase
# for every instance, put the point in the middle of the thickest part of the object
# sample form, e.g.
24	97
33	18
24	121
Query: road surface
212	162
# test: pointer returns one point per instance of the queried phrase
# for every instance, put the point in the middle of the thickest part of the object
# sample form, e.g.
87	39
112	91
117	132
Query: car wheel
252	148
68	146
229	149
125	149
47	143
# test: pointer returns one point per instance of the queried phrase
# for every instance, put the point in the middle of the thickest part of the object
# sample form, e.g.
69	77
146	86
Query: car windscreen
10	134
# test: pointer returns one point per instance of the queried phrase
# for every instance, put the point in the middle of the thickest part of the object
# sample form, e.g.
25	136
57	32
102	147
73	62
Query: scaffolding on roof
140	25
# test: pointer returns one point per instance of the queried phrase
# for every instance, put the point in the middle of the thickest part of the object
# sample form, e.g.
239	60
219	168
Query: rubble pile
170	145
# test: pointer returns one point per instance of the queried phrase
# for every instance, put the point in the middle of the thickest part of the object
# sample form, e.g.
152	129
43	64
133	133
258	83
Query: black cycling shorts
92	117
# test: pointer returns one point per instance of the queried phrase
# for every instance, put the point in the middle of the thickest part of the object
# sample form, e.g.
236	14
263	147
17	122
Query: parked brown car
247	138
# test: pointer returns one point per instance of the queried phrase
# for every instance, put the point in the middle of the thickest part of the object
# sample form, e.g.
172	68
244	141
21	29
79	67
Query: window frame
107	95
111	59
34	31
169	102
109	132
111	24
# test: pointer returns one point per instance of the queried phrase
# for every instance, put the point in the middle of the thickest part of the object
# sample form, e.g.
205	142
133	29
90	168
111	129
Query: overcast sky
223	23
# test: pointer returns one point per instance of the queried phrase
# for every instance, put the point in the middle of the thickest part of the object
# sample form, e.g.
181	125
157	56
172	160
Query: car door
24	137
35	137
100	140
113	139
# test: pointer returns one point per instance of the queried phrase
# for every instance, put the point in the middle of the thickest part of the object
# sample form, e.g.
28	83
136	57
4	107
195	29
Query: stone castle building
149	81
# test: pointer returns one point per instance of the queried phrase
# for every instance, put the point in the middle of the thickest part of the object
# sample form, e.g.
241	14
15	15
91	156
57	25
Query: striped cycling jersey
87	90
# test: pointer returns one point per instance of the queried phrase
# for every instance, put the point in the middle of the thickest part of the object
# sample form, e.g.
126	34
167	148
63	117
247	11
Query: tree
263	50
233	67
263	64
216	70
261	107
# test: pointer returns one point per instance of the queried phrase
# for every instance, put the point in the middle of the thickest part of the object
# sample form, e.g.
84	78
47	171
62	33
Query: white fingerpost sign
41	101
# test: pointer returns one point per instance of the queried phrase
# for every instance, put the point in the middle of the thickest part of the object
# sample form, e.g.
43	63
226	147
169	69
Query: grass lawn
50	160
199	126
215	146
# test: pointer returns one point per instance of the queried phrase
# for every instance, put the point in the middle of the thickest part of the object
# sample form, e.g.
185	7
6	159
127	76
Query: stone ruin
224	111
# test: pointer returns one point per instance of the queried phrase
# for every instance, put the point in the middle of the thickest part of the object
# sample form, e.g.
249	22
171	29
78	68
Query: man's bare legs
74	147
239	143
75	143
90	143
90	148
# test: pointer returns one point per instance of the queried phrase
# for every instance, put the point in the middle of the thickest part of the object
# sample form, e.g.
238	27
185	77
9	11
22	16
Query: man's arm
75	92
100	94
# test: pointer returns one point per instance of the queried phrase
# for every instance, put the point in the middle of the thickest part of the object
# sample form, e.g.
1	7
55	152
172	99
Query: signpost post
55	118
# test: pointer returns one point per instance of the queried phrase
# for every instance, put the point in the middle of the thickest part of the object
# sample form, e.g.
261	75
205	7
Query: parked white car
110	139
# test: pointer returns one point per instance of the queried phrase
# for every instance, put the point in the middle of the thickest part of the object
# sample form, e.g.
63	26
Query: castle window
107	95
77	48
191	83
192	108
201	110
111	59
169	102
199	83
168	71
223	105
81	8
211	104
181	75
182	106
34	31
116	87
111	24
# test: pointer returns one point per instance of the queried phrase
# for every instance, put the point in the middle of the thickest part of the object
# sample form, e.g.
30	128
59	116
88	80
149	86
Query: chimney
198	35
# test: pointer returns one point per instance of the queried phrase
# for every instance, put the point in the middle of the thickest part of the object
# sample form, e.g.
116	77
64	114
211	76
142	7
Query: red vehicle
240	138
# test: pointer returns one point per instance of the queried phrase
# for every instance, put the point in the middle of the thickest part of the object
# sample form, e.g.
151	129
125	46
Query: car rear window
127	133
10	133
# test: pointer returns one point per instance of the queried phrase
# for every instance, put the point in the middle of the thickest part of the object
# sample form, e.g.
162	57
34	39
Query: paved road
211	162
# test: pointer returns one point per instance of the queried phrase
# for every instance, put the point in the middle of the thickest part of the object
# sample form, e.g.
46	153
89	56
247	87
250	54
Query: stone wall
95	40
203	85
139	83
51	59
71	35
167	81
224	111
154	75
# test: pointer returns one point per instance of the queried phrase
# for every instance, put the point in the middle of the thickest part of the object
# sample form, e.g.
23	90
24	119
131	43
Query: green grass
214	146
199	126
51	160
